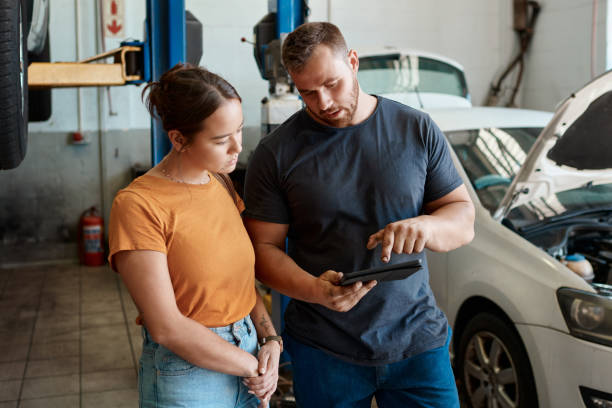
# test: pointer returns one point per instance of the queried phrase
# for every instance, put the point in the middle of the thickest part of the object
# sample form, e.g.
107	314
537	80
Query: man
349	180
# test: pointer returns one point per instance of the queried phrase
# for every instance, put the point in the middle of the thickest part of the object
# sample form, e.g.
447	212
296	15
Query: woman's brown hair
184	97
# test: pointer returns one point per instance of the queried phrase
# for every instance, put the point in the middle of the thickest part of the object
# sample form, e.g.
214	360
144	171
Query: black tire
485	376
13	83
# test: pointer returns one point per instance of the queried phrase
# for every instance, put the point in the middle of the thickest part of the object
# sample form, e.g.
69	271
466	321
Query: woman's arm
261	319
145	273
264	385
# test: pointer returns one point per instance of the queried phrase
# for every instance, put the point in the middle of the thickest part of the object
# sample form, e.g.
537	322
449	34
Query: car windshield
590	196
491	158
396	73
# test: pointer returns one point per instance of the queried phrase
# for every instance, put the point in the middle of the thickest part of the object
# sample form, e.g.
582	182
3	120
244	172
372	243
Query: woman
178	242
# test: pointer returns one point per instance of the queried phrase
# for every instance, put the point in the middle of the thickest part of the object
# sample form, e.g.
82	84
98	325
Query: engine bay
575	244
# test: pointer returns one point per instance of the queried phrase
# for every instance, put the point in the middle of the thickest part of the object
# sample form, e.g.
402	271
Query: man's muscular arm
447	224
277	270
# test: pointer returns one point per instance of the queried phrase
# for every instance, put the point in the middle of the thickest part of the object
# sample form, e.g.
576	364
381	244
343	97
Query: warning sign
114	18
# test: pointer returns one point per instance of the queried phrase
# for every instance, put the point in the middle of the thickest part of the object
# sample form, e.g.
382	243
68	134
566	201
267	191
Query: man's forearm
277	270
453	226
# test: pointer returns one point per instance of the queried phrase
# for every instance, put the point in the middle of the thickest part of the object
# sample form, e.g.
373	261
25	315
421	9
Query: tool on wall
525	16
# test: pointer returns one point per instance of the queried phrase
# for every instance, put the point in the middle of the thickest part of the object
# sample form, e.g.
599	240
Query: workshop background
42	199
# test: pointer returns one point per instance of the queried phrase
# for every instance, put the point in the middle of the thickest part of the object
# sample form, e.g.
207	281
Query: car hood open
573	150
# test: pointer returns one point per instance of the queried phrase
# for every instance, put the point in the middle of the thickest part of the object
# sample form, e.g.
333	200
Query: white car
415	78
530	299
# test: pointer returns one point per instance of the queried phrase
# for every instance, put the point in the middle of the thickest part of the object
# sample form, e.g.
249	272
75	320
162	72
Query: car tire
13	83
492	365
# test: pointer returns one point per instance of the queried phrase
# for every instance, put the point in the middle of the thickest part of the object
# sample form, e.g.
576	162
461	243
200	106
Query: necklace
165	172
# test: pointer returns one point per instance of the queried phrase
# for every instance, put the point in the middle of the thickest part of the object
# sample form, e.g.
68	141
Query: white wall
559	60
225	23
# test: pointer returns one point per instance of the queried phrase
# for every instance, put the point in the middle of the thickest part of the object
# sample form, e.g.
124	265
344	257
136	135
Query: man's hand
264	385
405	236
340	298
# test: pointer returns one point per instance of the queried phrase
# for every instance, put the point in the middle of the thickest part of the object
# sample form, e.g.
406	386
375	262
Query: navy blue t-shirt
337	186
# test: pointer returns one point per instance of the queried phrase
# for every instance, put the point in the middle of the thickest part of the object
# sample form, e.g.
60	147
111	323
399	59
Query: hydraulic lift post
166	41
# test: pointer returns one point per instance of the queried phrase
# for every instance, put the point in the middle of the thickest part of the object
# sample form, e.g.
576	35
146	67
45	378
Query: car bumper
562	364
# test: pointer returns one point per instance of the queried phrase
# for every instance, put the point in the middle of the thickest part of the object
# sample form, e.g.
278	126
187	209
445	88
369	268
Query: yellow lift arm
124	68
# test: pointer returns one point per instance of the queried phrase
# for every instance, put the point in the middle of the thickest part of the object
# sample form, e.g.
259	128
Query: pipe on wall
594	40
100	46
77	36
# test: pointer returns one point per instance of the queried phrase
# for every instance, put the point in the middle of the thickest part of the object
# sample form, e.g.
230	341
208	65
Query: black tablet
383	273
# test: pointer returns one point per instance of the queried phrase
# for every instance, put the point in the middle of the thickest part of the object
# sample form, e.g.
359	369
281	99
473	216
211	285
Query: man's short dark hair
300	44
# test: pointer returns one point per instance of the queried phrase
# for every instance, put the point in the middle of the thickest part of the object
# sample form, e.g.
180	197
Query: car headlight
588	315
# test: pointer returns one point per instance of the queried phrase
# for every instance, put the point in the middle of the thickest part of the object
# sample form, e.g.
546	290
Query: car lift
133	63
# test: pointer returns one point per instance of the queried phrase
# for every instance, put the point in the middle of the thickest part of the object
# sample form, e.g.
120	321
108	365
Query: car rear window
396	73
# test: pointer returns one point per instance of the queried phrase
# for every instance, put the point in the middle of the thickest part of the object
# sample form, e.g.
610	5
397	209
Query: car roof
449	119
373	51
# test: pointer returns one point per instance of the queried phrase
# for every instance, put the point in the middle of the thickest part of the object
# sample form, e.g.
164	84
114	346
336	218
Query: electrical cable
525	36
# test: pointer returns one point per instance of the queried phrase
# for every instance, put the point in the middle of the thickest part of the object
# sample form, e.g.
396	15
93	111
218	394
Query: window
491	157
396	73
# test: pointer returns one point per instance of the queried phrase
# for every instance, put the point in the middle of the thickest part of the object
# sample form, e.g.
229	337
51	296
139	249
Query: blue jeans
321	380
166	380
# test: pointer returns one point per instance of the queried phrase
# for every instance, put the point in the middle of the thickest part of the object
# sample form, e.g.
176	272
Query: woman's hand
251	367
264	385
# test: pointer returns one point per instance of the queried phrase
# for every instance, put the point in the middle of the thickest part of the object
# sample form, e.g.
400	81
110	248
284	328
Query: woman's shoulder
134	191
141	191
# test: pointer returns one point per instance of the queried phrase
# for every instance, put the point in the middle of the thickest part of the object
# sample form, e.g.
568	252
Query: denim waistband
244	323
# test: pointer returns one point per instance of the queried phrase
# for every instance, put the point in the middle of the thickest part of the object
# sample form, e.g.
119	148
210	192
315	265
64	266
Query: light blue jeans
166	380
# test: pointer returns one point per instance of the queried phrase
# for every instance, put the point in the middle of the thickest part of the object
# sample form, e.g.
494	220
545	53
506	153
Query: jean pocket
169	364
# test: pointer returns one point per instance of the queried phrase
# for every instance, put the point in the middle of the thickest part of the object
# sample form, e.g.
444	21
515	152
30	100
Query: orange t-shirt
199	228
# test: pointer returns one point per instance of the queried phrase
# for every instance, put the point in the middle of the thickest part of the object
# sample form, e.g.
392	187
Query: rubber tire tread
13	121
510	338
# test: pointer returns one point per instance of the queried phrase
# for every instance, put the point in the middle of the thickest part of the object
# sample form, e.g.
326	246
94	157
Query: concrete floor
68	338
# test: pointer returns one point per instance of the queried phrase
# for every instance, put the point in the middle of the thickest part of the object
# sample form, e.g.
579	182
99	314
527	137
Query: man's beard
350	109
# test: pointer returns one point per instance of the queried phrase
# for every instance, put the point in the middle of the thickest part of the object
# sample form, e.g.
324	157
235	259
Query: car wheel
13	83
493	365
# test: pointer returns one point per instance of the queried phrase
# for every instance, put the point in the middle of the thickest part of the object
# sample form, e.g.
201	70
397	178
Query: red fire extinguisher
91	238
